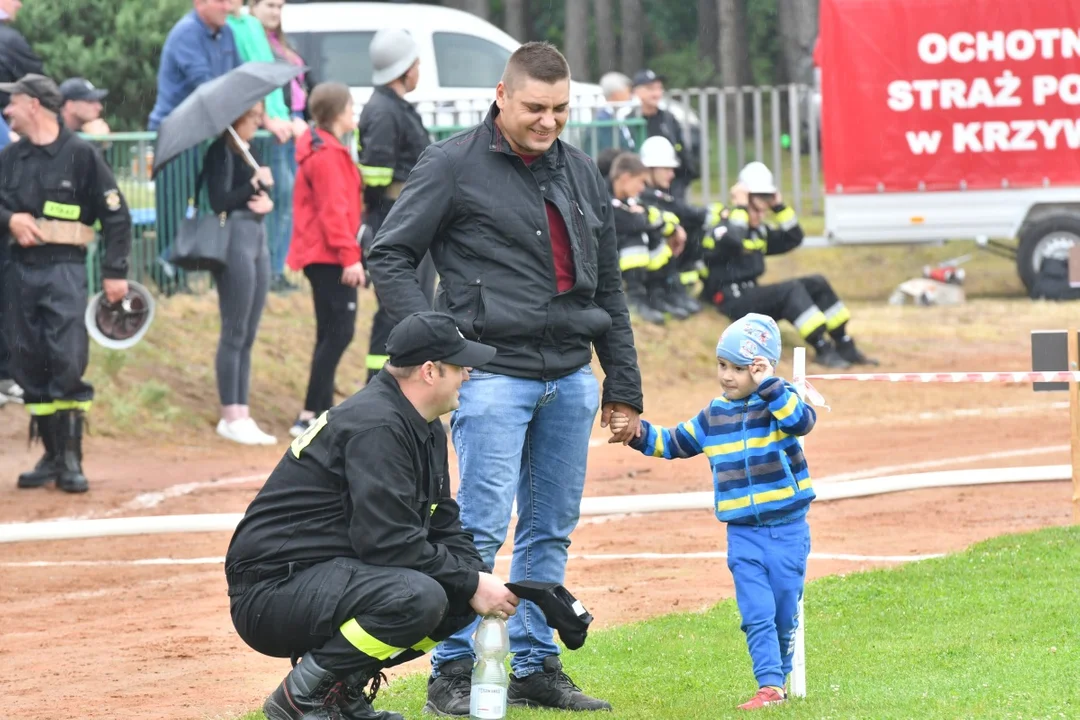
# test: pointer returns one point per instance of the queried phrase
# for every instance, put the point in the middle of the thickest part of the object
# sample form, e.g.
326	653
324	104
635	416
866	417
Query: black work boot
307	693
551	688
355	701
70	432
846	349
660	298
47	469
681	296
827	356
450	693
638	303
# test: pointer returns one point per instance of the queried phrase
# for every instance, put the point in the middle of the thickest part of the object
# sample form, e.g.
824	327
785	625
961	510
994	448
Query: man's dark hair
537	60
626	163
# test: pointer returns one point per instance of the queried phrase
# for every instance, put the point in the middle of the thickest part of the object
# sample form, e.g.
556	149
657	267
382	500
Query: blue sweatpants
769	568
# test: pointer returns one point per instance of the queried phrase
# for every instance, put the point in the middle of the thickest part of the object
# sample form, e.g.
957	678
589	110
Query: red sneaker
765	696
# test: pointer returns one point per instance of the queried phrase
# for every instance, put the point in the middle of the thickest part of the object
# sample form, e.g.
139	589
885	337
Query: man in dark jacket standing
391	137
520	227
352	558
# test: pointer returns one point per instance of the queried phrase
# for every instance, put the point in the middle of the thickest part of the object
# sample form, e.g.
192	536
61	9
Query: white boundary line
943	462
585	557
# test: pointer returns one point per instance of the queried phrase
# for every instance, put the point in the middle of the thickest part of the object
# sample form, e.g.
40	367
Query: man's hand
677	241
353	276
281	129
635	208
740	196
115	289
760	370
25	230
633	424
492	597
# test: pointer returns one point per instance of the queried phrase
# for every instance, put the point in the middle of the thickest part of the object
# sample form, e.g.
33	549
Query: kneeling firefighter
54	187
738	259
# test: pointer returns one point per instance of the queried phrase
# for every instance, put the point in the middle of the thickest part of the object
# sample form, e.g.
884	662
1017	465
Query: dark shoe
551	688
281	285
847	350
678	294
639	304
47	469
827	356
660	299
450	693
355	701
69	432
307	693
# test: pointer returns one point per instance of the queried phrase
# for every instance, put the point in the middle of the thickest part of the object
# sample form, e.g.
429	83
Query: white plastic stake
798	662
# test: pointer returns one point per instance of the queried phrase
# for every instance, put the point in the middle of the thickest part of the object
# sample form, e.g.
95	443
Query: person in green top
253	46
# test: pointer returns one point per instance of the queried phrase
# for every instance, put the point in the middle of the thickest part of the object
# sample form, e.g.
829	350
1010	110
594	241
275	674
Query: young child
762	487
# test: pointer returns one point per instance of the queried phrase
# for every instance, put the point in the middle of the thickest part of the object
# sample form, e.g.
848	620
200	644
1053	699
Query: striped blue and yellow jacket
760	476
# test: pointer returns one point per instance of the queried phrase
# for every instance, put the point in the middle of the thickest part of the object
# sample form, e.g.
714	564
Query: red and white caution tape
954	377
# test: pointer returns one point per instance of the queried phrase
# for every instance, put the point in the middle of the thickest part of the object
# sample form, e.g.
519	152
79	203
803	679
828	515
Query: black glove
562	610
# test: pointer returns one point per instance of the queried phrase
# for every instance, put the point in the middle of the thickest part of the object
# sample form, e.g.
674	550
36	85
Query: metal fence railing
158	205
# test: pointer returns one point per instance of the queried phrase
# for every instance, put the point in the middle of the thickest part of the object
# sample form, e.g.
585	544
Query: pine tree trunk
733	53
514	20
633	37
797	24
707	40
576	39
606	47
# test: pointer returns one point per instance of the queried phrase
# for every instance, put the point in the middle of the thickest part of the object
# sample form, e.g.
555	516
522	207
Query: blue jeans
280	222
769	568
529	440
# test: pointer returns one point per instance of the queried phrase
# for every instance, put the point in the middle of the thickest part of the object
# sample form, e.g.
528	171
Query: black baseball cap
434	336
36	86
644	77
78	88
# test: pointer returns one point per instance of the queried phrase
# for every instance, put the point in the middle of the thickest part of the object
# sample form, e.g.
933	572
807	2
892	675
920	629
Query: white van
461	55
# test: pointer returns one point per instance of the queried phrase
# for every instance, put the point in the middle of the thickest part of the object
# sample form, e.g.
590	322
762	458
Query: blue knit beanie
748	337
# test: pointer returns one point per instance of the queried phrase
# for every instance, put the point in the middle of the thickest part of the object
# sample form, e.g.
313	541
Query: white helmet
658	152
393	51
758	179
124	324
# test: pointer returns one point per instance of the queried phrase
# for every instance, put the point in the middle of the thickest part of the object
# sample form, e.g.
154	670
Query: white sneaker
245	432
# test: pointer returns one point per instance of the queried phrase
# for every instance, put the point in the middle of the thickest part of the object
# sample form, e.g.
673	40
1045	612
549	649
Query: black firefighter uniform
390	137
698	222
645	258
68	188
735	255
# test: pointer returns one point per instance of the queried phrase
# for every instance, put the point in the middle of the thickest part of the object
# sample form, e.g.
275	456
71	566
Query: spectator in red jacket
326	218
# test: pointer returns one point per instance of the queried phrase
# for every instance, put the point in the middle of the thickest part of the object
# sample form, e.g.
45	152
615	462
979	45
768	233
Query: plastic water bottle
490	678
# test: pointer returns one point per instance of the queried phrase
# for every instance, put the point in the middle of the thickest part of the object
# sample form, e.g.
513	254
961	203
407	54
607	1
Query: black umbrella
216	105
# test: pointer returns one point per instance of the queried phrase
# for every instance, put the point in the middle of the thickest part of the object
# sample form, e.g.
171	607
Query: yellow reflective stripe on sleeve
659	257
39	409
786	218
708	242
425	645
633	257
688	277
671	217
739	217
754	244
363	641
61	211
377	176
297	446
376	362
83	405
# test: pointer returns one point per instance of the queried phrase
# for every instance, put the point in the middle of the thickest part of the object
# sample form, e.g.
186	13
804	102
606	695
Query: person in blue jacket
762	490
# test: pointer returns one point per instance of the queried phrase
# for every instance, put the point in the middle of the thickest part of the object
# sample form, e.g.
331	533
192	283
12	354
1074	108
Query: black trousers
44	318
381	324
335	325
800	301
350	616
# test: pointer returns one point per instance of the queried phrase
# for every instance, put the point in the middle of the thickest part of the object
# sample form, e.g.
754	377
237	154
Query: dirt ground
89	633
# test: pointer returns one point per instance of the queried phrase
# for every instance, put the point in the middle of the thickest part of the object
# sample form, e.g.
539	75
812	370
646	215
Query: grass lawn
987	633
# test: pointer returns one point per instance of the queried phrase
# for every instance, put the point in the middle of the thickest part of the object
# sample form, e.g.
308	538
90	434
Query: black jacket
481	211
663	123
66	180
369	480
740	252
391	137
16	58
227	177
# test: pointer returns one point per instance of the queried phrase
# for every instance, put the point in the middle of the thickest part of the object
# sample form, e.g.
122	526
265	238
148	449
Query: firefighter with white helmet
737	260
391	136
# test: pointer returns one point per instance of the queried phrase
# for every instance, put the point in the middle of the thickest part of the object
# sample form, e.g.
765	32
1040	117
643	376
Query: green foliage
764	41
113	45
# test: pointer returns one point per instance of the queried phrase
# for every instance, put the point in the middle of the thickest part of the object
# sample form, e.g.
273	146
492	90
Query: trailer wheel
1051	236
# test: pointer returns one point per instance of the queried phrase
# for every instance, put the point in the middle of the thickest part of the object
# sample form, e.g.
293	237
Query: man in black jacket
520	227
352	556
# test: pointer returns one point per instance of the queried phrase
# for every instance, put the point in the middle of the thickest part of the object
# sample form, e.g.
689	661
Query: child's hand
760	370
618	422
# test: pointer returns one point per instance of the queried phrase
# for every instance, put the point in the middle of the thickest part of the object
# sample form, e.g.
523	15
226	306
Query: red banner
949	94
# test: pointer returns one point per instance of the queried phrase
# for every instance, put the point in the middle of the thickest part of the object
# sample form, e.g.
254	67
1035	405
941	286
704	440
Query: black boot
827	356
679	294
47	469
355	702
551	688
845	347
450	694
638	302
306	693
660	299
70	432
